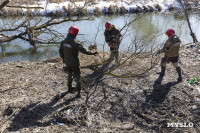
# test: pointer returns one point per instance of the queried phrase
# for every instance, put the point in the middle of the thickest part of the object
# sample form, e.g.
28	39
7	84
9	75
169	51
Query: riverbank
80	8
113	104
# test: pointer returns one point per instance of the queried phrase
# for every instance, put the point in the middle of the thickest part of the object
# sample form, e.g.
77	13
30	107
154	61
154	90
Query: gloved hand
156	54
110	45
95	53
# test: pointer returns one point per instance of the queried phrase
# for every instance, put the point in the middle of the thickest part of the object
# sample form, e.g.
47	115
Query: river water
141	35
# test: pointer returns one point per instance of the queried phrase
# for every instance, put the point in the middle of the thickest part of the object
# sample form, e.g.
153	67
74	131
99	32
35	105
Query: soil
108	103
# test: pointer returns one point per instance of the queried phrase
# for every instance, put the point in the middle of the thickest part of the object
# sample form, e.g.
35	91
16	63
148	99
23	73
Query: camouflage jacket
171	47
113	36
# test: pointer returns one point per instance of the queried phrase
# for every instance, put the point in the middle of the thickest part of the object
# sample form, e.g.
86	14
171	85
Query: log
37	7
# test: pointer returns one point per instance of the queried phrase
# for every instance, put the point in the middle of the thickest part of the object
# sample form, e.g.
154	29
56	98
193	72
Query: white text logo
180	124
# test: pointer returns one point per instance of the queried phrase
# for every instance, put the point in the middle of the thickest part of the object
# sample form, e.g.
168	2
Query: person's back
174	46
69	53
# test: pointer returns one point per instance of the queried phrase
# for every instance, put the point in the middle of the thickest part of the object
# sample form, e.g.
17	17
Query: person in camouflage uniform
69	50
171	50
113	39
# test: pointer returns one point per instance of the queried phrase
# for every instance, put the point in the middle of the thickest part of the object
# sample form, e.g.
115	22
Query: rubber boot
112	56
69	82
78	87
162	74
178	69
70	88
116	58
79	93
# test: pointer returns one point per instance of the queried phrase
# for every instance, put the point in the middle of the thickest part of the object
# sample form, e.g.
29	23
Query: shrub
111	10
123	10
158	7
97	11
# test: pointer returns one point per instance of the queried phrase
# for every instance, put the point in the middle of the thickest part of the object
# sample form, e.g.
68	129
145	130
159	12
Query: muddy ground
108	103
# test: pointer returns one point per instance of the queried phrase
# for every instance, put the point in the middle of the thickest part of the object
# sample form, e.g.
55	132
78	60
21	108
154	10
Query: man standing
113	39
69	50
171	50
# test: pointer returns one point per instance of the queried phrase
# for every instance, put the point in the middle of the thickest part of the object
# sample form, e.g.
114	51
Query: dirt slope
135	104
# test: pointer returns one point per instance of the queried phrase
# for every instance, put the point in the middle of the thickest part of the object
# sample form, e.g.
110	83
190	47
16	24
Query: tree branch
4	4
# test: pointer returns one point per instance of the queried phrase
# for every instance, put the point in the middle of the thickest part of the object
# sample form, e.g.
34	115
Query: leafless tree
184	4
30	28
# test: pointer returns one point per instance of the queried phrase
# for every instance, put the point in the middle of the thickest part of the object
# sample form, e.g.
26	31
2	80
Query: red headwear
73	30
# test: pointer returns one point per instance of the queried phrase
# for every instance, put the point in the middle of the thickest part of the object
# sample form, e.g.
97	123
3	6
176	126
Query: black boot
178	69
78	94
162	74
70	88
78	87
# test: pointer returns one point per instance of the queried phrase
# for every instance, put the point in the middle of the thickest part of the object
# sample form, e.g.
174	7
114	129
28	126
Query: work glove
110	45
95	53
157	53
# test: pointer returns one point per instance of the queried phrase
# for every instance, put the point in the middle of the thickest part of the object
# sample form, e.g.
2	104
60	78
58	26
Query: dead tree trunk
4	4
188	21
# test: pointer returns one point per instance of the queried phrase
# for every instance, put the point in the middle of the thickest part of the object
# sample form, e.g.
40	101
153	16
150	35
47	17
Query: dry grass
56	1
111	10
123	10
113	104
97	11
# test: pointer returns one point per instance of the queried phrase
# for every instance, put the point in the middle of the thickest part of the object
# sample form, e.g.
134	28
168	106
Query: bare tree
183	4
30	29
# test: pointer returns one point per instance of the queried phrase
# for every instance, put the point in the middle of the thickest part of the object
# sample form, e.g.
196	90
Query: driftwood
25	7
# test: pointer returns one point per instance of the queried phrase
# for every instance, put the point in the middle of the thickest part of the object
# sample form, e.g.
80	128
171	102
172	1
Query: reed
111	10
81	11
151	9
123	10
